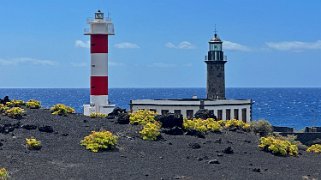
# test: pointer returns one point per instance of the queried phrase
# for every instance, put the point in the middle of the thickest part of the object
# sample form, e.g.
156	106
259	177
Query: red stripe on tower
99	43
99	85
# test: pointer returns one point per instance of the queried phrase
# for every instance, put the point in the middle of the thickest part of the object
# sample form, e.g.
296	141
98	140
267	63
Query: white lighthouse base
105	109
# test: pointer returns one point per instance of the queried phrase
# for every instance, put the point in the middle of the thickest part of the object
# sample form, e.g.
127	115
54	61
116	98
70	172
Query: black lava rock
214	161
170	120
256	170
123	118
228	150
1	144
204	114
173	131
47	129
29	126
5	100
194	145
116	112
195	133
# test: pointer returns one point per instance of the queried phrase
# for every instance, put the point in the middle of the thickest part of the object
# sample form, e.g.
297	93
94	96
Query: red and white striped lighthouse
100	29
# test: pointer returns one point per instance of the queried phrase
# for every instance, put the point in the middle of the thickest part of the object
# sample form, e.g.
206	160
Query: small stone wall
282	129
306	138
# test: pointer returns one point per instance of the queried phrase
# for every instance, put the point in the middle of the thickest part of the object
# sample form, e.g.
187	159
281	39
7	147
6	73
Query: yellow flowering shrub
4	175
201	125
61	109
33	104
101	140
15	112
316	148
150	131
15	103
3	108
238	124
278	146
142	117
97	115
33	144
222	122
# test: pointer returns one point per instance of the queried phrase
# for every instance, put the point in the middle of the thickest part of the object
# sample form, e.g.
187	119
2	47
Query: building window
153	110
219	114
164	112
177	111
236	114
244	113
228	114
189	114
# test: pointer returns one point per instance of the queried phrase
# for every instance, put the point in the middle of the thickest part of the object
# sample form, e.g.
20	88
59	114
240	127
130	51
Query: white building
223	109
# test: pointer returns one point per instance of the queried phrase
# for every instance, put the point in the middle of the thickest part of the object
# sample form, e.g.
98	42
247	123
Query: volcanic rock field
226	155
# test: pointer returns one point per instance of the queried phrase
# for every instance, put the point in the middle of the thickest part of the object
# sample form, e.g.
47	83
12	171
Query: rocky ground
229	155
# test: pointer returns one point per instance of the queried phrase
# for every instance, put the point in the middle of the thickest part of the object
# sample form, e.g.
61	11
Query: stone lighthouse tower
100	29
215	60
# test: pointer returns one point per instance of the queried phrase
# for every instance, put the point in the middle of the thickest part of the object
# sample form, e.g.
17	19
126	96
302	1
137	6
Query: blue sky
273	43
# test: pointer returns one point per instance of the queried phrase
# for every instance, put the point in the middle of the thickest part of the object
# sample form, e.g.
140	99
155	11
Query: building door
219	114
189	114
228	114
236	114
244	113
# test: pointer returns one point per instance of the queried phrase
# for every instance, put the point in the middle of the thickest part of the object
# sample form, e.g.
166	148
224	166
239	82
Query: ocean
291	107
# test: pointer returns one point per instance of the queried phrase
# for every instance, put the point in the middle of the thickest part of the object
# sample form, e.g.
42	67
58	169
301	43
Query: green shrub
33	104
15	112
316	148
15	103
142	117
98	141
201	125
4	175
278	146
61	109
33	144
3	108
97	115
150	131
262	127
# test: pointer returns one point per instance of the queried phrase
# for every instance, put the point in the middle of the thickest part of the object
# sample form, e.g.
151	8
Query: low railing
107	19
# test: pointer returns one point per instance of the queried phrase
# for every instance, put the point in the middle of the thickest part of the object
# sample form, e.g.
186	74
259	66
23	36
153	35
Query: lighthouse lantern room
100	29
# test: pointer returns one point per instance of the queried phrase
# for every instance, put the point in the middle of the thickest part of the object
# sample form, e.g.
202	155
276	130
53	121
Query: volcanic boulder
47	129
170	120
5	100
122	118
115	113
173	131
204	114
29	126
194	145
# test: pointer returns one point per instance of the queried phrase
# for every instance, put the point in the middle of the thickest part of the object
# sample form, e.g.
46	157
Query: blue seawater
292	107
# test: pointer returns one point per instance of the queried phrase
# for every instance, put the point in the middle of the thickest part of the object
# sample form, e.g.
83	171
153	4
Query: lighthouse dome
215	39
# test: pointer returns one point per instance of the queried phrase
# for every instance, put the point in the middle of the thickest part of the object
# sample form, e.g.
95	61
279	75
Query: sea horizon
291	107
